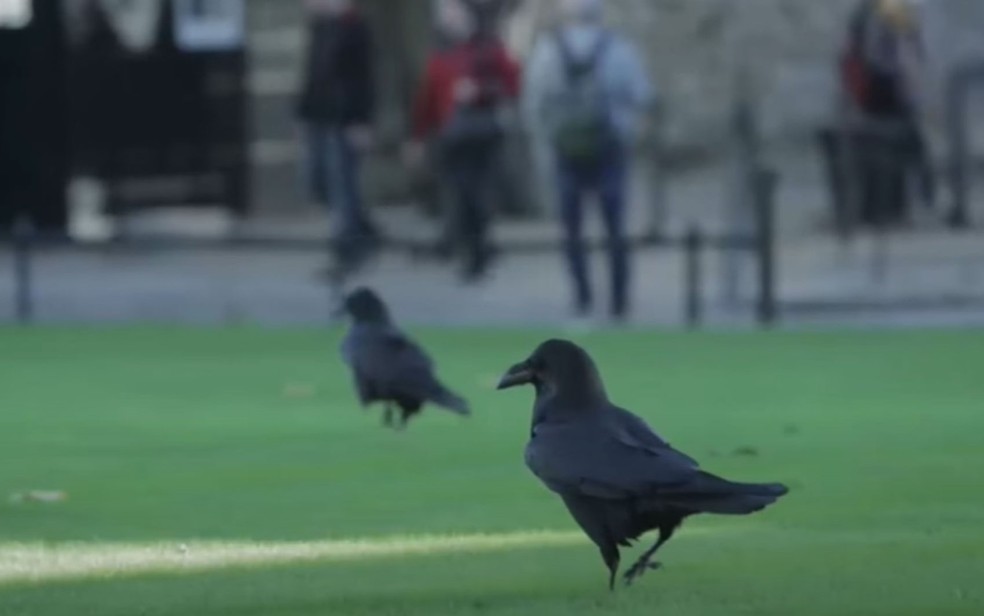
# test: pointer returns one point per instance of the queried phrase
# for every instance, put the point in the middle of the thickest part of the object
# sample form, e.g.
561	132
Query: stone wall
697	49
276	45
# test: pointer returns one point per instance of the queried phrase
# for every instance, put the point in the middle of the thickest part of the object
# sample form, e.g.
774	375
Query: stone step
273	13
278	188
279	81
284	40
273	117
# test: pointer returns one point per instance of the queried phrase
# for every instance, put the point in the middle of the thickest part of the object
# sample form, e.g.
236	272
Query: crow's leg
611	556
388	415
401	425
644	563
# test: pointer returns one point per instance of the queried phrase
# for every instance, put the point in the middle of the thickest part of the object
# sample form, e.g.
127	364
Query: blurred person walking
883	70
335	108
587	85
466	85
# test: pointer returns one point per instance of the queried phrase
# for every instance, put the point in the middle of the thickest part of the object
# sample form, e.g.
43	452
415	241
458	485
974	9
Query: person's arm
536	77
636	78
300	99
636	97
916	73
426	109
510	72
365	83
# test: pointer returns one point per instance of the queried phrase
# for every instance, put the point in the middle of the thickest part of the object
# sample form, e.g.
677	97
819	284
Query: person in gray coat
587	87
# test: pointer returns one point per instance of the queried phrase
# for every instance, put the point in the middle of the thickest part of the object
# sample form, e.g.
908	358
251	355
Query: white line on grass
20	562
35	562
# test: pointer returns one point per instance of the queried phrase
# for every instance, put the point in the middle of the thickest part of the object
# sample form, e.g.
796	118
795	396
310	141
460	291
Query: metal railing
26	243
752	238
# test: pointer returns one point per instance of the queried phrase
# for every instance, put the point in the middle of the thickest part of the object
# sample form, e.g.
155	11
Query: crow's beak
520	374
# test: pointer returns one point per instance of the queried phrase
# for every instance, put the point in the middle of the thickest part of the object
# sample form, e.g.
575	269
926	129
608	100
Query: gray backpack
583	130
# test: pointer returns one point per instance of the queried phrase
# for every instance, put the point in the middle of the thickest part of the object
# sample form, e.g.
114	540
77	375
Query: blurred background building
176	117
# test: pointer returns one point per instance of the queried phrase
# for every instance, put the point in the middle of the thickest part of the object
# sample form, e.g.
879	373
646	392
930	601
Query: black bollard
765	188
23	257
693	245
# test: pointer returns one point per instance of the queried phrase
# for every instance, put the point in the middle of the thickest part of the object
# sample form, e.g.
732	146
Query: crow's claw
637	570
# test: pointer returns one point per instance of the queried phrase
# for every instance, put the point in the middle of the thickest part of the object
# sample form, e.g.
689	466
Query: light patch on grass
21	562
35	562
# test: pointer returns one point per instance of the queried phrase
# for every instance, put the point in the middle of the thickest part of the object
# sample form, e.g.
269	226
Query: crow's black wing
390	361
362	340
350	350
363	388
595	458
632	430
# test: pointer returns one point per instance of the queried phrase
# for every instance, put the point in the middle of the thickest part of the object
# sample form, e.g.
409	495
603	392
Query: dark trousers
607	180
333	166
469	171
887	102
916	152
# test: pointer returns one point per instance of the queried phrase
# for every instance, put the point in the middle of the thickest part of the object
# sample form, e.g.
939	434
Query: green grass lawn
230	473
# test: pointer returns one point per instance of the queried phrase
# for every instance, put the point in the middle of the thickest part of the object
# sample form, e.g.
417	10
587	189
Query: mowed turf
230	472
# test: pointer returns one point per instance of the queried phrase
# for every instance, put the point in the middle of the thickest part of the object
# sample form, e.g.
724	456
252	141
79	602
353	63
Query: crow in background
389	367
618	478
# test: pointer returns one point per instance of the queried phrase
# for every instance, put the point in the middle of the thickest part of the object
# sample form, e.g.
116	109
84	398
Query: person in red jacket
465	86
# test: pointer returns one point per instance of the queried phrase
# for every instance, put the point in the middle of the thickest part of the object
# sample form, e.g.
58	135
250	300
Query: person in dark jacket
335	107
883	67
466	84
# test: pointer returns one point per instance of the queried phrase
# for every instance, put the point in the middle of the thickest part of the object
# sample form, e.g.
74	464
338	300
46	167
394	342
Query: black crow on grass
618	478
387	366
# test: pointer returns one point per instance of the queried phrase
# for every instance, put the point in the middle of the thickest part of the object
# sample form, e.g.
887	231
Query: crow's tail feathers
711	494
449	400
